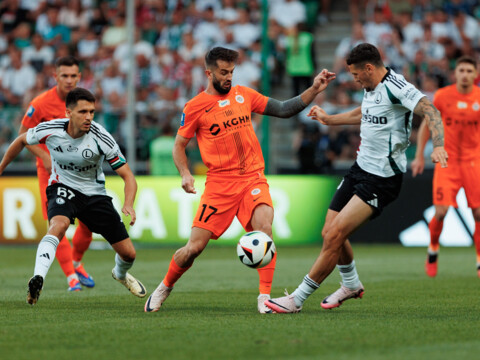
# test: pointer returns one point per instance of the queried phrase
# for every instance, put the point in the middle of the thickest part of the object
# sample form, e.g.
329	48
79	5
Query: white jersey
387	113
77	163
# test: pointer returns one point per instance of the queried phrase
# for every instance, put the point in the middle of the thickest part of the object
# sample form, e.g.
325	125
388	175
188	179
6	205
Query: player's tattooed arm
433	119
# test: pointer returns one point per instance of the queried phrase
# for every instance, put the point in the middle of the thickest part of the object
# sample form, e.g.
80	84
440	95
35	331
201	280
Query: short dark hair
77	94
219	53
466	59
364	54
66	61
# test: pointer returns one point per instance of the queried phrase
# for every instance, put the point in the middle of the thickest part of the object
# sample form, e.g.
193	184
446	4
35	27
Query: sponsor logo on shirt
462	105
30	111
72	148
182	121
229	124
73	167
223	103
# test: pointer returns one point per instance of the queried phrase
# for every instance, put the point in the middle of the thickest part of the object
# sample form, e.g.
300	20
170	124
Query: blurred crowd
419	39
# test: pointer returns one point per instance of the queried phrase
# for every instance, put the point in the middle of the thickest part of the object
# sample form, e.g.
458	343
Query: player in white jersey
78	146
374	180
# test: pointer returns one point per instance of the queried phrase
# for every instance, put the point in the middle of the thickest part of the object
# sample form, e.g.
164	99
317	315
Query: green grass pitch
212	314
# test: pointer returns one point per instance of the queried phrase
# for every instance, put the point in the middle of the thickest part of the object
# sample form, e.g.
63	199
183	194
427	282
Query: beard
222	90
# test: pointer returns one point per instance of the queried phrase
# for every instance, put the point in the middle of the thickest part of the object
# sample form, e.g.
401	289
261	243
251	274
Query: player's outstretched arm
13	150
352	117
181	162
433	119
130	191
38	151
291	107
418	164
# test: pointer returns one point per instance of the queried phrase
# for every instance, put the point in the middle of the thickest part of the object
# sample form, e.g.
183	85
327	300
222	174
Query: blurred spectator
11	15
161	160
244	32
246	73
346	45
54	32
88	45
227	12
208	31
140	47
171	35
17	79
22	35
190	49
38	53
378	30
300	58
288	13
116	33
74	16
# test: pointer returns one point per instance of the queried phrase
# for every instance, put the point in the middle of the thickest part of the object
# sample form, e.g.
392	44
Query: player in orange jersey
48	106
221	118
459	105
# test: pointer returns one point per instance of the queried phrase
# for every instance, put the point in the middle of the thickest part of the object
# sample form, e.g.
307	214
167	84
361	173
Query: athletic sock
349	275
81	241
174	273
304	290
266	276
64	256
76	264
71	277
435	226
45	255
121	267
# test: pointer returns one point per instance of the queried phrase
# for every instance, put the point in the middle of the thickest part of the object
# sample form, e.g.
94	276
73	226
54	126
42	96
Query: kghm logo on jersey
229	124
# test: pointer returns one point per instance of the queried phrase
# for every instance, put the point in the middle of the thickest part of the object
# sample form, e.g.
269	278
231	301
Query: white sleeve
109	147
405	93
32	138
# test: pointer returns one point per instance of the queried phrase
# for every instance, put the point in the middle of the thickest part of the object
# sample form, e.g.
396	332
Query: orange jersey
225	135
46	106
461	122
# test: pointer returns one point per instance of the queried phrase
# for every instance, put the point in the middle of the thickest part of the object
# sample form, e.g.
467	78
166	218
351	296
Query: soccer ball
255	249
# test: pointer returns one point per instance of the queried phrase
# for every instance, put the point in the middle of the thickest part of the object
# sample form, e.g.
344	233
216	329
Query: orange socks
174	273
435	228
266	276
64	257
81	241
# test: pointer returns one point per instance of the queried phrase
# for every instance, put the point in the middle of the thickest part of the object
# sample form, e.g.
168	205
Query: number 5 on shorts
214	210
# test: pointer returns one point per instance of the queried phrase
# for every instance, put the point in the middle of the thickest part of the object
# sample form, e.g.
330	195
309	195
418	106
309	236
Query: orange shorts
448	181
223	200
43	177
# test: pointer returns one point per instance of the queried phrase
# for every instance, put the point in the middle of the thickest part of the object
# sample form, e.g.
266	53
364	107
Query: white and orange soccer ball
255	249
